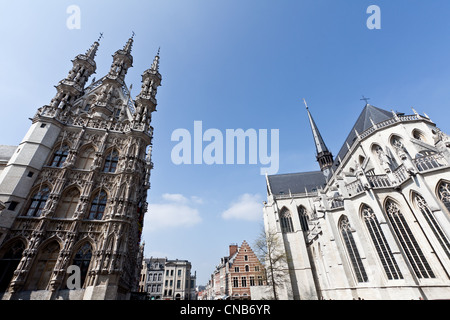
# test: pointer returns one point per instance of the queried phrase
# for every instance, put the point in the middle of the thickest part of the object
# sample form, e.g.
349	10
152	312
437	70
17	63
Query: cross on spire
365	99
101	36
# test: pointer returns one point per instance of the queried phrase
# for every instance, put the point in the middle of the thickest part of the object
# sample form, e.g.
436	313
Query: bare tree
269	249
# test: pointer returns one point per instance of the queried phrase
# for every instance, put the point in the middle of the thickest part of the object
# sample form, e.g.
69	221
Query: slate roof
362	124
296	182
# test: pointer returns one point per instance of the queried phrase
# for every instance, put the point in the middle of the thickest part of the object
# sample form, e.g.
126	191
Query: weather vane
101	36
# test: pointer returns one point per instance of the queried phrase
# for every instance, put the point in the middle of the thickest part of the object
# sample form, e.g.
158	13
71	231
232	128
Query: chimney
233	249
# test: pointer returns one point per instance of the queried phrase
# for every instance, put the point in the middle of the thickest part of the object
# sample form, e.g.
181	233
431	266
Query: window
178	284
352	250
98	206
111	162
83	260
444	194
236	269
244	282
235	282
9	262
407	240
260	281
257	268
286	221
247	268
303	216
252	281
245	258
179	272
60	156
384	251
68	204
38	202
433	223
85	159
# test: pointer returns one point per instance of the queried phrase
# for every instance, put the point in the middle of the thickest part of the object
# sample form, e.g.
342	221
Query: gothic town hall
73	193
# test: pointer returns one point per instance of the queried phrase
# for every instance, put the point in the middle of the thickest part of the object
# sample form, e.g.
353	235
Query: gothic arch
10	256
303	217
85	157
286	220
422	206
59	154
37	200
44	263
414	254
351	249
68	203
385	255
443	193
83	258
111	161
97	205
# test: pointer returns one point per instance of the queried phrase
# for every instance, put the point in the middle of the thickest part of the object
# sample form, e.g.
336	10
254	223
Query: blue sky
232	64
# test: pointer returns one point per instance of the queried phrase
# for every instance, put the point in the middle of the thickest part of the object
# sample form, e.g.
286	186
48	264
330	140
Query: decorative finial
132	34
159	49
100	37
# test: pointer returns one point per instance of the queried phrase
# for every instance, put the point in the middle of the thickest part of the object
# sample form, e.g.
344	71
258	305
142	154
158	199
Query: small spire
129	44
92	52
155	65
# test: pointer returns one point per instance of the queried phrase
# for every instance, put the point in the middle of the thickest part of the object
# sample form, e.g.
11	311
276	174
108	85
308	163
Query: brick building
236	274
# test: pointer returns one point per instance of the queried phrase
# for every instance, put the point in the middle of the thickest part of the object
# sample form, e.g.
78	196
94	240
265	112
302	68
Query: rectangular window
178	284
236	269
235	282
244	282
260	281
252	281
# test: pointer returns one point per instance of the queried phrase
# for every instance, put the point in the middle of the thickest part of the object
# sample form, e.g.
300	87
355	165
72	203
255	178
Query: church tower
323	155
75	190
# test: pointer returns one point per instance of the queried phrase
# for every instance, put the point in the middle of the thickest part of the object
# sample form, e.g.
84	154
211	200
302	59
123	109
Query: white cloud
178	211
248	207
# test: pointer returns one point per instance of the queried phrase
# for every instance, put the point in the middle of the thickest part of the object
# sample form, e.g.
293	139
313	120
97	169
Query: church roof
364	122
296	182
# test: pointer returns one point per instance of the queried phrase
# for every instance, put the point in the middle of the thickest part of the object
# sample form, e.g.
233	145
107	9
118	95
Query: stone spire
72	87
122	61
323	155
146	100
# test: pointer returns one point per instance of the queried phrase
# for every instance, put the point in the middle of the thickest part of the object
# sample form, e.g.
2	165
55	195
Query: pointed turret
323	155
122	61
72	87
146	100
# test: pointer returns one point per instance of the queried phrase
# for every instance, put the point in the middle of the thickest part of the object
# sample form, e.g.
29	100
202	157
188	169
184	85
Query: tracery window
444	194
409	243
433	223
60	156
379	240
9	262
303	216
286	221
38	202
352	250
68	204
82	259
85	159
112	159
98	206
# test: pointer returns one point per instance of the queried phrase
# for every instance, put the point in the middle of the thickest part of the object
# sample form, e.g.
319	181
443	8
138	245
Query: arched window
82	259
352	250
42	270
68	204
409	243
303	216
9	262
444	194
60	156
433	223
85	159
98	206
379	240
286	221
111	161
38	202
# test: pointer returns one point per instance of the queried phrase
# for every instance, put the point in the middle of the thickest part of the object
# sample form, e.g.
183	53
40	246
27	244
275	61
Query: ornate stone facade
79	183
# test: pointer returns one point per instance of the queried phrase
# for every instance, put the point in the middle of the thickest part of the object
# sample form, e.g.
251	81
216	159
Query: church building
73	193
374	222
